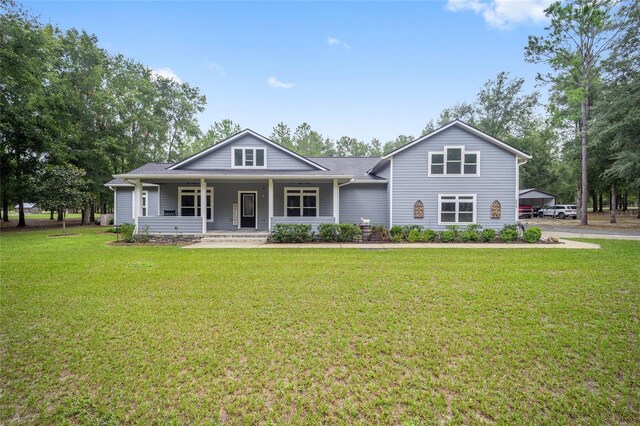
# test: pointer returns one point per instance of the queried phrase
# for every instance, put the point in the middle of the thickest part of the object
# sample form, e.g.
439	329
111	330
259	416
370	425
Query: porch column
336	201
203	204
137	201
270	202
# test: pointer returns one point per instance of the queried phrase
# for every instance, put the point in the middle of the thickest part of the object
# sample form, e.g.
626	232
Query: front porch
175	207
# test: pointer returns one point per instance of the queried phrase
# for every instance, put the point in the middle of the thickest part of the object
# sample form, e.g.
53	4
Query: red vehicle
525	211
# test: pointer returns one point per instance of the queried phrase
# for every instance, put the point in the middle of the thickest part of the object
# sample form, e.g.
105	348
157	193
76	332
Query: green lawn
93	333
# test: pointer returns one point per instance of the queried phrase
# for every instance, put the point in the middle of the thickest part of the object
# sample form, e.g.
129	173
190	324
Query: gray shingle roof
348	166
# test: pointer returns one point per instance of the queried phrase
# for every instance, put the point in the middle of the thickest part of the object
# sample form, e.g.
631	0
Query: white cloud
503	14
217	69
332	41
166	73
274	82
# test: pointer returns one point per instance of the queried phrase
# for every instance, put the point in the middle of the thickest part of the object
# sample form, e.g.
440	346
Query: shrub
447	236
488	235
291	233
143	235
397	238
455	229
469	235
341	233
427	236
532	235
396	231
126	229
507	235
511	227
413	236
379	233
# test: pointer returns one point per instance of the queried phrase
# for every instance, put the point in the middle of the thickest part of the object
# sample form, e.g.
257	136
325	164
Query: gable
220	156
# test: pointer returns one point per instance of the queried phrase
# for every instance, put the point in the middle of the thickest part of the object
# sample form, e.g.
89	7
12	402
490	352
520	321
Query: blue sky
359	69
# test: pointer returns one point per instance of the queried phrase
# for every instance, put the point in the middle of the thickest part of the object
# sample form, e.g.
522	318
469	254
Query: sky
359	69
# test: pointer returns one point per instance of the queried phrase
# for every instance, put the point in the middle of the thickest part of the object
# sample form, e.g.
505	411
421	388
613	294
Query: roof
354	166
525	191
238	136
26	205
464	126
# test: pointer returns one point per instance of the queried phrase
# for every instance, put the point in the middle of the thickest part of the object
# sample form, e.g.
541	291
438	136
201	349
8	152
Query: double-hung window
454	161
457	209
189	202
249	157
301	202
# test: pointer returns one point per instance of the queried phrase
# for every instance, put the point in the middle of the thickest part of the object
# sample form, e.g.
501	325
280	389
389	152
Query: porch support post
137	202
336	201
203	204
270	202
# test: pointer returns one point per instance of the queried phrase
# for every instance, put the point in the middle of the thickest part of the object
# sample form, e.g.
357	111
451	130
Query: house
28	208
456	175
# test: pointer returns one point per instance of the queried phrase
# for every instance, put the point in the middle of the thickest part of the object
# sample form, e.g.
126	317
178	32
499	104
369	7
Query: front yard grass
92	333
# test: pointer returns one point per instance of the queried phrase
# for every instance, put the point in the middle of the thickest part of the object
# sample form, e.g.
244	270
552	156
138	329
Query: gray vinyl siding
385	171
221	158
124	203
497	181
367	201
325	196
171	225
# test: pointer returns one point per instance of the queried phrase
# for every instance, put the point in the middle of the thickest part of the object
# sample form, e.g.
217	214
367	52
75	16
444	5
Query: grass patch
95	333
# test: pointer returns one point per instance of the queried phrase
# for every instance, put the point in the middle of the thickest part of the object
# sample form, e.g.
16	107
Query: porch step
236	237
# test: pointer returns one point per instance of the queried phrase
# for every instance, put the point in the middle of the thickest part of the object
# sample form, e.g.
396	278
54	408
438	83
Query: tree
397	143
219	131
310	143
351	147
375	148
428	128
281	135
61	187
577	39
26	52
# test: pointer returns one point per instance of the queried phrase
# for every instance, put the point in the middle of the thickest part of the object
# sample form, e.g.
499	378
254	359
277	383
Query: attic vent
418	210
496	210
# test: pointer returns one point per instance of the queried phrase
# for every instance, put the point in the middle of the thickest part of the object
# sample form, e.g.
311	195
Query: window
301	202
189	202
249	157
456	209
145	203
454	161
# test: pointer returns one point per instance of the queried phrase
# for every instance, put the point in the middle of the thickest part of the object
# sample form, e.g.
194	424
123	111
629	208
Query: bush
488	235
532	235
455	229
126	229
340	233
379	233
396	231
291	233
447	236
470	234
507	235
413	236
397	238
427	236
143	235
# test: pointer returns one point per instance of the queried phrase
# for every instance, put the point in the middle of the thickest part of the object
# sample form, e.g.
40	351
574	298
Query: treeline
71	111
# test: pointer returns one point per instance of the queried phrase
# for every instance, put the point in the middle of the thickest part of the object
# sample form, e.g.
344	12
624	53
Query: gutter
227	177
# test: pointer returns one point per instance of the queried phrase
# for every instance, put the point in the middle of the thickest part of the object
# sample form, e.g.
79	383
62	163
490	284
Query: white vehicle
561	211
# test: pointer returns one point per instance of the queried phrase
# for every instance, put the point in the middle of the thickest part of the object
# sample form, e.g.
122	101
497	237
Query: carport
536	199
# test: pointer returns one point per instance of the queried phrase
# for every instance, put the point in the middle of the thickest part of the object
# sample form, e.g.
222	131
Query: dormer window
454	161
249	157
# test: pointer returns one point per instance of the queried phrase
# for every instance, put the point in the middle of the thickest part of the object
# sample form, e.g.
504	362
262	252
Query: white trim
301	189
463	152
158	200
203	204
238	136
138	199
457	201
197	189
115	206
244	159
517	213
182	177
270	202
127	185
391	193
467	127
144	205
336	201
255	208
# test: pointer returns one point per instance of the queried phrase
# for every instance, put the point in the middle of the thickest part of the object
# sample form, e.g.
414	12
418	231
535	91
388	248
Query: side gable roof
526	191
238	136
468	128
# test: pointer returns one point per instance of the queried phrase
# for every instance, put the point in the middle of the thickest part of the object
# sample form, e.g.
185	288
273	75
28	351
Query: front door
247	210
